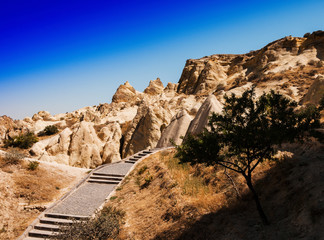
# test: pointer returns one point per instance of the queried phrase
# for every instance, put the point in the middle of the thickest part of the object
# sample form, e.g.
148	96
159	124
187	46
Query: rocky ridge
134	120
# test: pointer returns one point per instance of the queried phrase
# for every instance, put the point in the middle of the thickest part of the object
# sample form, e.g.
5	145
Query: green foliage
23	141
48	130
246	133
105	225
33	165
13	157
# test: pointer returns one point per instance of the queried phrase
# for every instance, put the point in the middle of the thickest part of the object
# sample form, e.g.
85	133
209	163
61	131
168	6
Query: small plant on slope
32	165
48	130
246	133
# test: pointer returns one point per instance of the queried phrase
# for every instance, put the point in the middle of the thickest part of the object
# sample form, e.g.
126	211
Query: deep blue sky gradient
63	55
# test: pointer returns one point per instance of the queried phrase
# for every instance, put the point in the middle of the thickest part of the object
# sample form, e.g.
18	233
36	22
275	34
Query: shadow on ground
292	195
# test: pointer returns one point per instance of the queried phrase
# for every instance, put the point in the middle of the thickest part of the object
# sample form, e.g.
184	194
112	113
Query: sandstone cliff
135	120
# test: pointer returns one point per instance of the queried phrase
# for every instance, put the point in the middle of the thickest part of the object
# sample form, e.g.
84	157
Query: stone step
106	178
47	227
142	154
137	157
56	221
128	161
65	216
133	159
103	181
147	152
33	238
40	233
108	174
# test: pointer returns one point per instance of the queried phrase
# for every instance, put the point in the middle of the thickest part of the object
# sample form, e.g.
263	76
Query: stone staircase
49	225
84	200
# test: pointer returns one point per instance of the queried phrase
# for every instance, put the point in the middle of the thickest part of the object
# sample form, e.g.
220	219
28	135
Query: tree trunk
257	201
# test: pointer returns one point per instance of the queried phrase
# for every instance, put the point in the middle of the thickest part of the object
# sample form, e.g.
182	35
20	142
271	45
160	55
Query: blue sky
63	55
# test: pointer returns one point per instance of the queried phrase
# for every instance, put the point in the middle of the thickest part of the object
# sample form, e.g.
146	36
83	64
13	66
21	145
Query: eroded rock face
134	121
124	93
200	121
175	130
111	134
6	126
43	115
315	92
290	64
155	87
146	129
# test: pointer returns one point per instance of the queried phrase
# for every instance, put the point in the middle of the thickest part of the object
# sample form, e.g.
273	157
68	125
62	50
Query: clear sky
63	55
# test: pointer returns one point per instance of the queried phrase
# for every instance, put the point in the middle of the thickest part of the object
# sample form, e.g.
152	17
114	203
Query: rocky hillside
134	120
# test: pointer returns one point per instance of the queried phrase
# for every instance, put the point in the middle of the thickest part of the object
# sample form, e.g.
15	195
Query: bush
22	141
105	225
33	165
13	157
48	130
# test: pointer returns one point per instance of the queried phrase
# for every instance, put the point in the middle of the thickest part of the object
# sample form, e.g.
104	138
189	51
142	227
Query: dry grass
175	197
25	193
185	202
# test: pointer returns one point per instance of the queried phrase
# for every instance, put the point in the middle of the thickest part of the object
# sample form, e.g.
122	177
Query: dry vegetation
24	192
165	200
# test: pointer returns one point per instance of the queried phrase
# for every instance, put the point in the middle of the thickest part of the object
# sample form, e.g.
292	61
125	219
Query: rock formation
134	120
177	128
200	121
124	93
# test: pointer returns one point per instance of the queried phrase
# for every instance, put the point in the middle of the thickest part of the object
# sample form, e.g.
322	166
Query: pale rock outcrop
124	93
28	120
90	116
141	111
85	147
62	144
7	125
291	62
175	130
43	115
315	92
155	87
111	134
200	121
39	147
59	158
145	130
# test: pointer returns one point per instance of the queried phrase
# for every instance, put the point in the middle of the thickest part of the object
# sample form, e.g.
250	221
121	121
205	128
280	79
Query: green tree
247	133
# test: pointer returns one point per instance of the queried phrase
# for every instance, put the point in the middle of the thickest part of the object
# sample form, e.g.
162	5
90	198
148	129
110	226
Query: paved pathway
84	200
